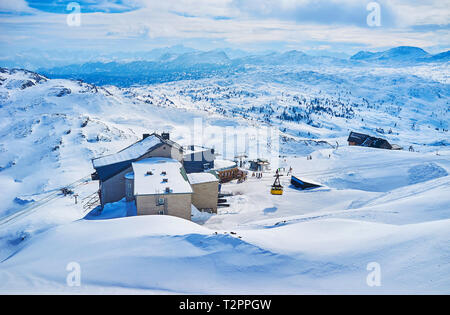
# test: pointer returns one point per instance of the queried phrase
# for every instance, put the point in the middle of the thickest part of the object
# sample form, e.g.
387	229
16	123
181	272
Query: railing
91	202
30	208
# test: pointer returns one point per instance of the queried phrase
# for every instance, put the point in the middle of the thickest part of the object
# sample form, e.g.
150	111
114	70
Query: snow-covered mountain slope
358	183
135	255
195	58
302	242
48	132
403	53
380	206
53	128
400	104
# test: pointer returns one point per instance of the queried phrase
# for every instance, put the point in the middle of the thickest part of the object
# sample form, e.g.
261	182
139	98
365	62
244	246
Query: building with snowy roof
205	187
260	165
198	158
226	170
161	186
363	140
110	170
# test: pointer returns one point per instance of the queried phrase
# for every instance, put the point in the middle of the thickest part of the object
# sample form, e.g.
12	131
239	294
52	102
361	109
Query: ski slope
317	241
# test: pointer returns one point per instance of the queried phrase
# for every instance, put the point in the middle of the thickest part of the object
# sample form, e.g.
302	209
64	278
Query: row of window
230	173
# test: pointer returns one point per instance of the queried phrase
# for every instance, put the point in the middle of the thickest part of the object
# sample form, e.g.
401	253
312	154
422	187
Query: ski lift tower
241	157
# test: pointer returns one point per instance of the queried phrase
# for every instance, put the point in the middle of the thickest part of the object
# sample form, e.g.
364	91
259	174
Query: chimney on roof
145	135
165	136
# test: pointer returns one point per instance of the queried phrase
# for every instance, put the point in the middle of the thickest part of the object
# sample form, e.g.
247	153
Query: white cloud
422	12
156	23
16	6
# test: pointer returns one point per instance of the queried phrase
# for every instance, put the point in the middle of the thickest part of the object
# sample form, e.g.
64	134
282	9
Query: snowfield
387	207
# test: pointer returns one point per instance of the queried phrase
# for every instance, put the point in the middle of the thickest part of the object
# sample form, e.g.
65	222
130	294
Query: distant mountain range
178	63
174	66
401	54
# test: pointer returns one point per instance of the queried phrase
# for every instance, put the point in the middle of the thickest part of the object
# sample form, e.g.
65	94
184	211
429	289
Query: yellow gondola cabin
277	188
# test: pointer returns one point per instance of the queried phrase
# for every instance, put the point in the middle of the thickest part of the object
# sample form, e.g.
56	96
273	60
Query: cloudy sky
309	25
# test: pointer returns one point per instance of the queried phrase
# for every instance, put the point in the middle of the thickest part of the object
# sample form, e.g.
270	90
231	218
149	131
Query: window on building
129	190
